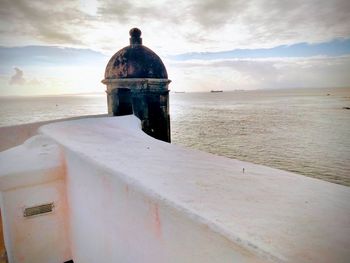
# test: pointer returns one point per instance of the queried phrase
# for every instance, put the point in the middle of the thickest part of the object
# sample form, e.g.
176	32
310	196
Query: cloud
136	11
48	56
229	74
213	14
34	82
48	21
333	48
120	10
81	70
215	25
17	78
193	25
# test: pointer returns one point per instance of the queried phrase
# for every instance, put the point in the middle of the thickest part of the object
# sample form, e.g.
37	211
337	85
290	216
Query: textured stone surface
135	61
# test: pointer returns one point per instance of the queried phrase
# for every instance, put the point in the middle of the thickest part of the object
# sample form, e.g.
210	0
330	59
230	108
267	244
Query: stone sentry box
137	83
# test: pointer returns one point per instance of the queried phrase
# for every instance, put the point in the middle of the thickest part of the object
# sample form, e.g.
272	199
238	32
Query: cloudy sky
57	47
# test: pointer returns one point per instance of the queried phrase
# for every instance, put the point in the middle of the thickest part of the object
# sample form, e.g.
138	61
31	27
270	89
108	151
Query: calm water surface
303	131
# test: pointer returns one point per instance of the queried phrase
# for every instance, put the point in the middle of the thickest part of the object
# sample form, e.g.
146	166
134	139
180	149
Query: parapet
131	198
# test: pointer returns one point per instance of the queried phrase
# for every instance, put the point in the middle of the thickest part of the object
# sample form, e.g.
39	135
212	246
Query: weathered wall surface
122	196
114	221
42	238
34	174
157	202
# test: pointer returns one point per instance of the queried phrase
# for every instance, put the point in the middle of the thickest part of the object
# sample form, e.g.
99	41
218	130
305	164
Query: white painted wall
113	221
136	199
121	196
41	238
34	174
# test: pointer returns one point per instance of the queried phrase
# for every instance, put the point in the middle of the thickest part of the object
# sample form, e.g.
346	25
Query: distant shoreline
202	91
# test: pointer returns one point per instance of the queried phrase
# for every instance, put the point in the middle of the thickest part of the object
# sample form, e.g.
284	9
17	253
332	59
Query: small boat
213	91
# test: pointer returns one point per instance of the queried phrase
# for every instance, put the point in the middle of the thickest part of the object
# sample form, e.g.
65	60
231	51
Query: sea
306	131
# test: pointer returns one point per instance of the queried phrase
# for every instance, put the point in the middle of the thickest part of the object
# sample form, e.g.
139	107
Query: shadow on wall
3	255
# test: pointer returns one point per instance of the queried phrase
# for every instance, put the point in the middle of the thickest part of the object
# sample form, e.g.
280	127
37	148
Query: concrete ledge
151	200
37	161
11	136
33	174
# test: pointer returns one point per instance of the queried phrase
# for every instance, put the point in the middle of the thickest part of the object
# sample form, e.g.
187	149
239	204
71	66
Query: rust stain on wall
157	226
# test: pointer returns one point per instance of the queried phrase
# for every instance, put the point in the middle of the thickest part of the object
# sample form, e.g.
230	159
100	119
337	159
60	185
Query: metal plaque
38	210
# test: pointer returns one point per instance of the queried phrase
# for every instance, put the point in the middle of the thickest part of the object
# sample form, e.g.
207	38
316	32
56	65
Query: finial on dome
135	36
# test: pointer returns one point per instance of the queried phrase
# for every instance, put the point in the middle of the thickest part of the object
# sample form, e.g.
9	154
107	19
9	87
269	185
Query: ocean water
306	131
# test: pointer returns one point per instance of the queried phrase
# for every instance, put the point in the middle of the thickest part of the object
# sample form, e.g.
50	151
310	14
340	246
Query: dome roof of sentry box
135	61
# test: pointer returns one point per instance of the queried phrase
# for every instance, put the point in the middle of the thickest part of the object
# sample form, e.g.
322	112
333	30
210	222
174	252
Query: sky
62	47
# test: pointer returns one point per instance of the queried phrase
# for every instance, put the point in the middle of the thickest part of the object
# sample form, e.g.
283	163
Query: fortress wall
31	175
115	221
14	135
151	201
122	196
